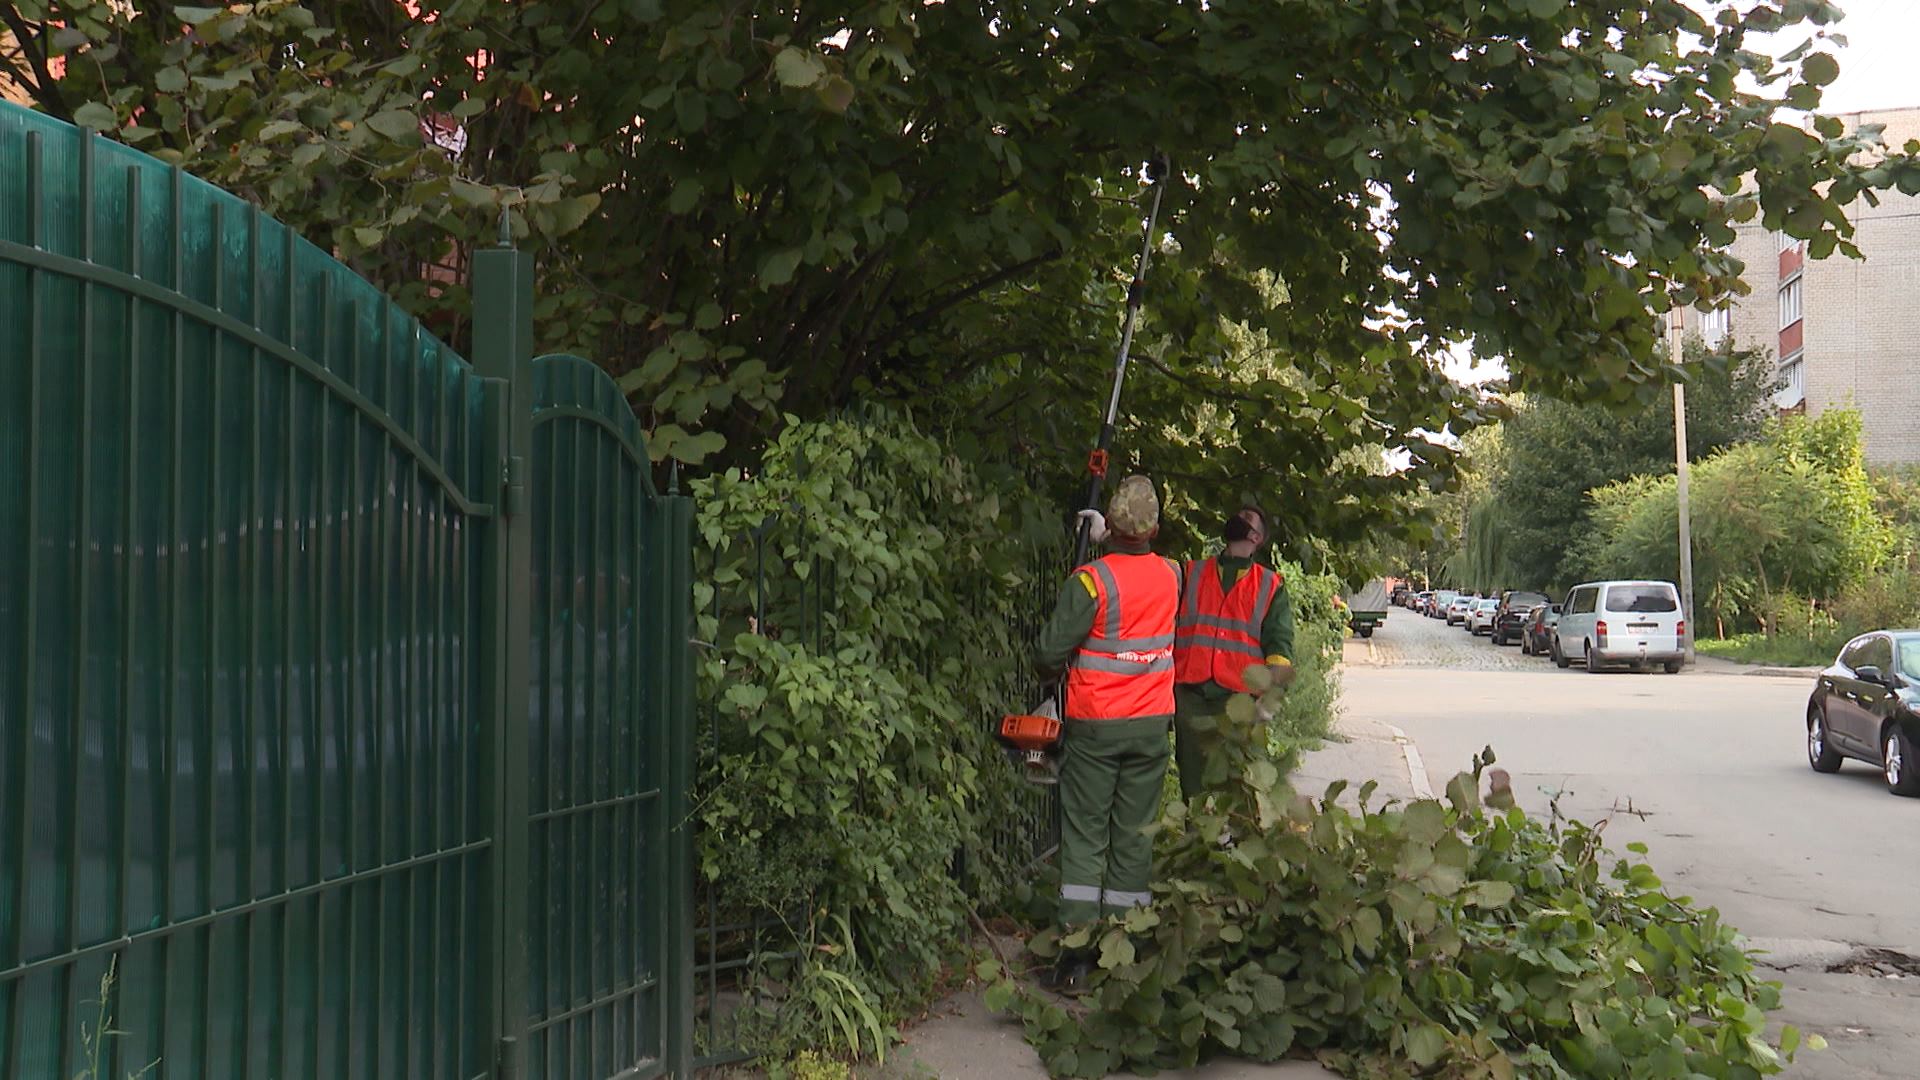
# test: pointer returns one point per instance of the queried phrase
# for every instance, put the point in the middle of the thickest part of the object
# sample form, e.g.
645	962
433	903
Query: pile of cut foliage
1438	938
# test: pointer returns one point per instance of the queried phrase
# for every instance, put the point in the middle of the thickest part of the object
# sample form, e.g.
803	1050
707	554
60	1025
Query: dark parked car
1537	631
1866	706
1514	606
1401	594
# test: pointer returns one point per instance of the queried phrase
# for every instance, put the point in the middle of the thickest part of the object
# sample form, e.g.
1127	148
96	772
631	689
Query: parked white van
1621	622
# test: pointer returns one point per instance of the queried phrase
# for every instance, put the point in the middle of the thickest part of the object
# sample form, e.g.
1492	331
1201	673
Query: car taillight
1600	632
1680	629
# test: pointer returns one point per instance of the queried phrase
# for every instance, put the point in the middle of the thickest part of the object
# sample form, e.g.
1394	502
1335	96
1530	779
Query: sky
1876	65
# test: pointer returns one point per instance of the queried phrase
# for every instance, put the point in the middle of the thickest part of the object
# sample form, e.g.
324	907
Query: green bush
1448	937
853	679
1305	712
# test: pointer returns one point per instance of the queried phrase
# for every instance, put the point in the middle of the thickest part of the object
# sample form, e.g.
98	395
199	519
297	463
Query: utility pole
1680	467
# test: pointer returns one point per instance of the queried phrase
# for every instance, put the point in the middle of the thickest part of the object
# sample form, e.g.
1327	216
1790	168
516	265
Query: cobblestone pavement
1411	640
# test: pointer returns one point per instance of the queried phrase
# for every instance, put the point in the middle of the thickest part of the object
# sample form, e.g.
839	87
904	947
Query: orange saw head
1032	741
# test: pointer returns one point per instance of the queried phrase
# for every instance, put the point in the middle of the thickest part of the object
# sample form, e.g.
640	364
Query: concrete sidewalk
961	1040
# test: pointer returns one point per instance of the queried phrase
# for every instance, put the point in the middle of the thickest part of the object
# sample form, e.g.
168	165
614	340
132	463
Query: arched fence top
565	385
87	209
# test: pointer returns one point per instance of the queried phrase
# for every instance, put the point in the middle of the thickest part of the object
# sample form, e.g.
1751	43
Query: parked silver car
1457	609
1637	623
1481	615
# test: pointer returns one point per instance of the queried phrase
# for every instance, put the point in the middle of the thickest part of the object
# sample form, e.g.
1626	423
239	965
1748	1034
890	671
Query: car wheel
1897	763
1593	662
1820	753
1559	658
1498	638
1673	667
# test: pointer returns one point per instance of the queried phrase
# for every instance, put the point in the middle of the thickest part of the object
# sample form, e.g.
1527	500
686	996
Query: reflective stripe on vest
1124	669
1217	636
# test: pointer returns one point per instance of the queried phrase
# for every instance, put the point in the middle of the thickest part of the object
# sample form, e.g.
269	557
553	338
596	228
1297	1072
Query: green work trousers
1110	776
1196	734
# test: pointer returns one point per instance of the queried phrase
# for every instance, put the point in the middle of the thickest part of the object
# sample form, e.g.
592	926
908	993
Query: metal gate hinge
515	495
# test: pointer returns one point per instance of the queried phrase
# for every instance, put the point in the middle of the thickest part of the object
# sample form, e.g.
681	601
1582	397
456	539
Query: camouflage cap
1134	509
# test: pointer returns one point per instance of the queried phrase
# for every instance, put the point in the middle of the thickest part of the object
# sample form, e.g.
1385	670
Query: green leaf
368	237
779	267
95	117
1116	949
1424	821
1489	894
1820	69
395	124
1425	1044
194	16
570	214
170	80
796	68
836	93
468	193
708	317
279	128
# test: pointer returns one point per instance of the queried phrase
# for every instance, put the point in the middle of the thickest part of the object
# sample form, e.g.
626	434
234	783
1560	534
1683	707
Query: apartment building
1842	331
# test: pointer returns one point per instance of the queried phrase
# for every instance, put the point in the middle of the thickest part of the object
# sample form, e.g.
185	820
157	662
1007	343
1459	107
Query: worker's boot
1071	973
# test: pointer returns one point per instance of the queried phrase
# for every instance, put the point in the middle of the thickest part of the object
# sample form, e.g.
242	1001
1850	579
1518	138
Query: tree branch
47	92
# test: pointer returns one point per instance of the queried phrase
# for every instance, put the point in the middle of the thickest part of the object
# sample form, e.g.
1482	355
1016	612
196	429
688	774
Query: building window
1785	242
1790	302
1793	382
1713	327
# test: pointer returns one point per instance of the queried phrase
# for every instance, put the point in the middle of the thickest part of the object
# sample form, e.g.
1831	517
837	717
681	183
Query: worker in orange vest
1112	634
1234	614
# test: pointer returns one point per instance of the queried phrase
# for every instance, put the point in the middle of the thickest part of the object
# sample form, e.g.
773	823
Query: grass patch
1782	650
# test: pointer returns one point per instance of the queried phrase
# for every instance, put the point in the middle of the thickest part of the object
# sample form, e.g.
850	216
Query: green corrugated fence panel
237	579
597	734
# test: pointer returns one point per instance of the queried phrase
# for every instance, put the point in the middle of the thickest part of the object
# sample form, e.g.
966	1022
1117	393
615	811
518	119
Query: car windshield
1909	654
1649	597
1489	605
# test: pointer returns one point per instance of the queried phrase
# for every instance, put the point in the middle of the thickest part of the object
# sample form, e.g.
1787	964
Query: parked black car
1402	593
1866	706
1514	605
1536	632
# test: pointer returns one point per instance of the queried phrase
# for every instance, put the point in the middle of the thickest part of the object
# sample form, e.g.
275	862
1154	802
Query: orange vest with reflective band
1218	636
1124	669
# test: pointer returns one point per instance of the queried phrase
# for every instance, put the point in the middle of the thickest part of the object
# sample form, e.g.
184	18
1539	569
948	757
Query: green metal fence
344	685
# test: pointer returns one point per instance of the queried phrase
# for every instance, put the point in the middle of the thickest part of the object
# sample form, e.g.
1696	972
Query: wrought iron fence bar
218	319
573	1013
595	806
162	933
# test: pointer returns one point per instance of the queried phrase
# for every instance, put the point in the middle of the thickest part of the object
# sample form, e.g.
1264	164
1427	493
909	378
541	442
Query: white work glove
1096	525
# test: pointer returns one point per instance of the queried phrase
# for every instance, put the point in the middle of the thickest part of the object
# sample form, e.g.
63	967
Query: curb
1416	769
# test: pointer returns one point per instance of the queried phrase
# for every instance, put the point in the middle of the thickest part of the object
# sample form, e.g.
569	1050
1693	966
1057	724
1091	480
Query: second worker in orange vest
1234	614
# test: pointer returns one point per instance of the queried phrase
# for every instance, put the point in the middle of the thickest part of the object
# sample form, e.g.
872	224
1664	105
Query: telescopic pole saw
1157	171
1033	739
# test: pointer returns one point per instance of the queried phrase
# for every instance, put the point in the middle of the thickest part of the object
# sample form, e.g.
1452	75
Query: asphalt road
1708	769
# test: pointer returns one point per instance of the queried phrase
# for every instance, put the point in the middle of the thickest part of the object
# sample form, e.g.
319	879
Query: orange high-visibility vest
1124	669
1218	635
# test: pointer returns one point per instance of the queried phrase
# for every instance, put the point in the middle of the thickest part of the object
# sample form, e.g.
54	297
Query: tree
798	206
1792	514
1553	453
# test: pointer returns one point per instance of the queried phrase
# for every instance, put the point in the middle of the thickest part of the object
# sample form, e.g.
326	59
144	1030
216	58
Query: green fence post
503	351
676	615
